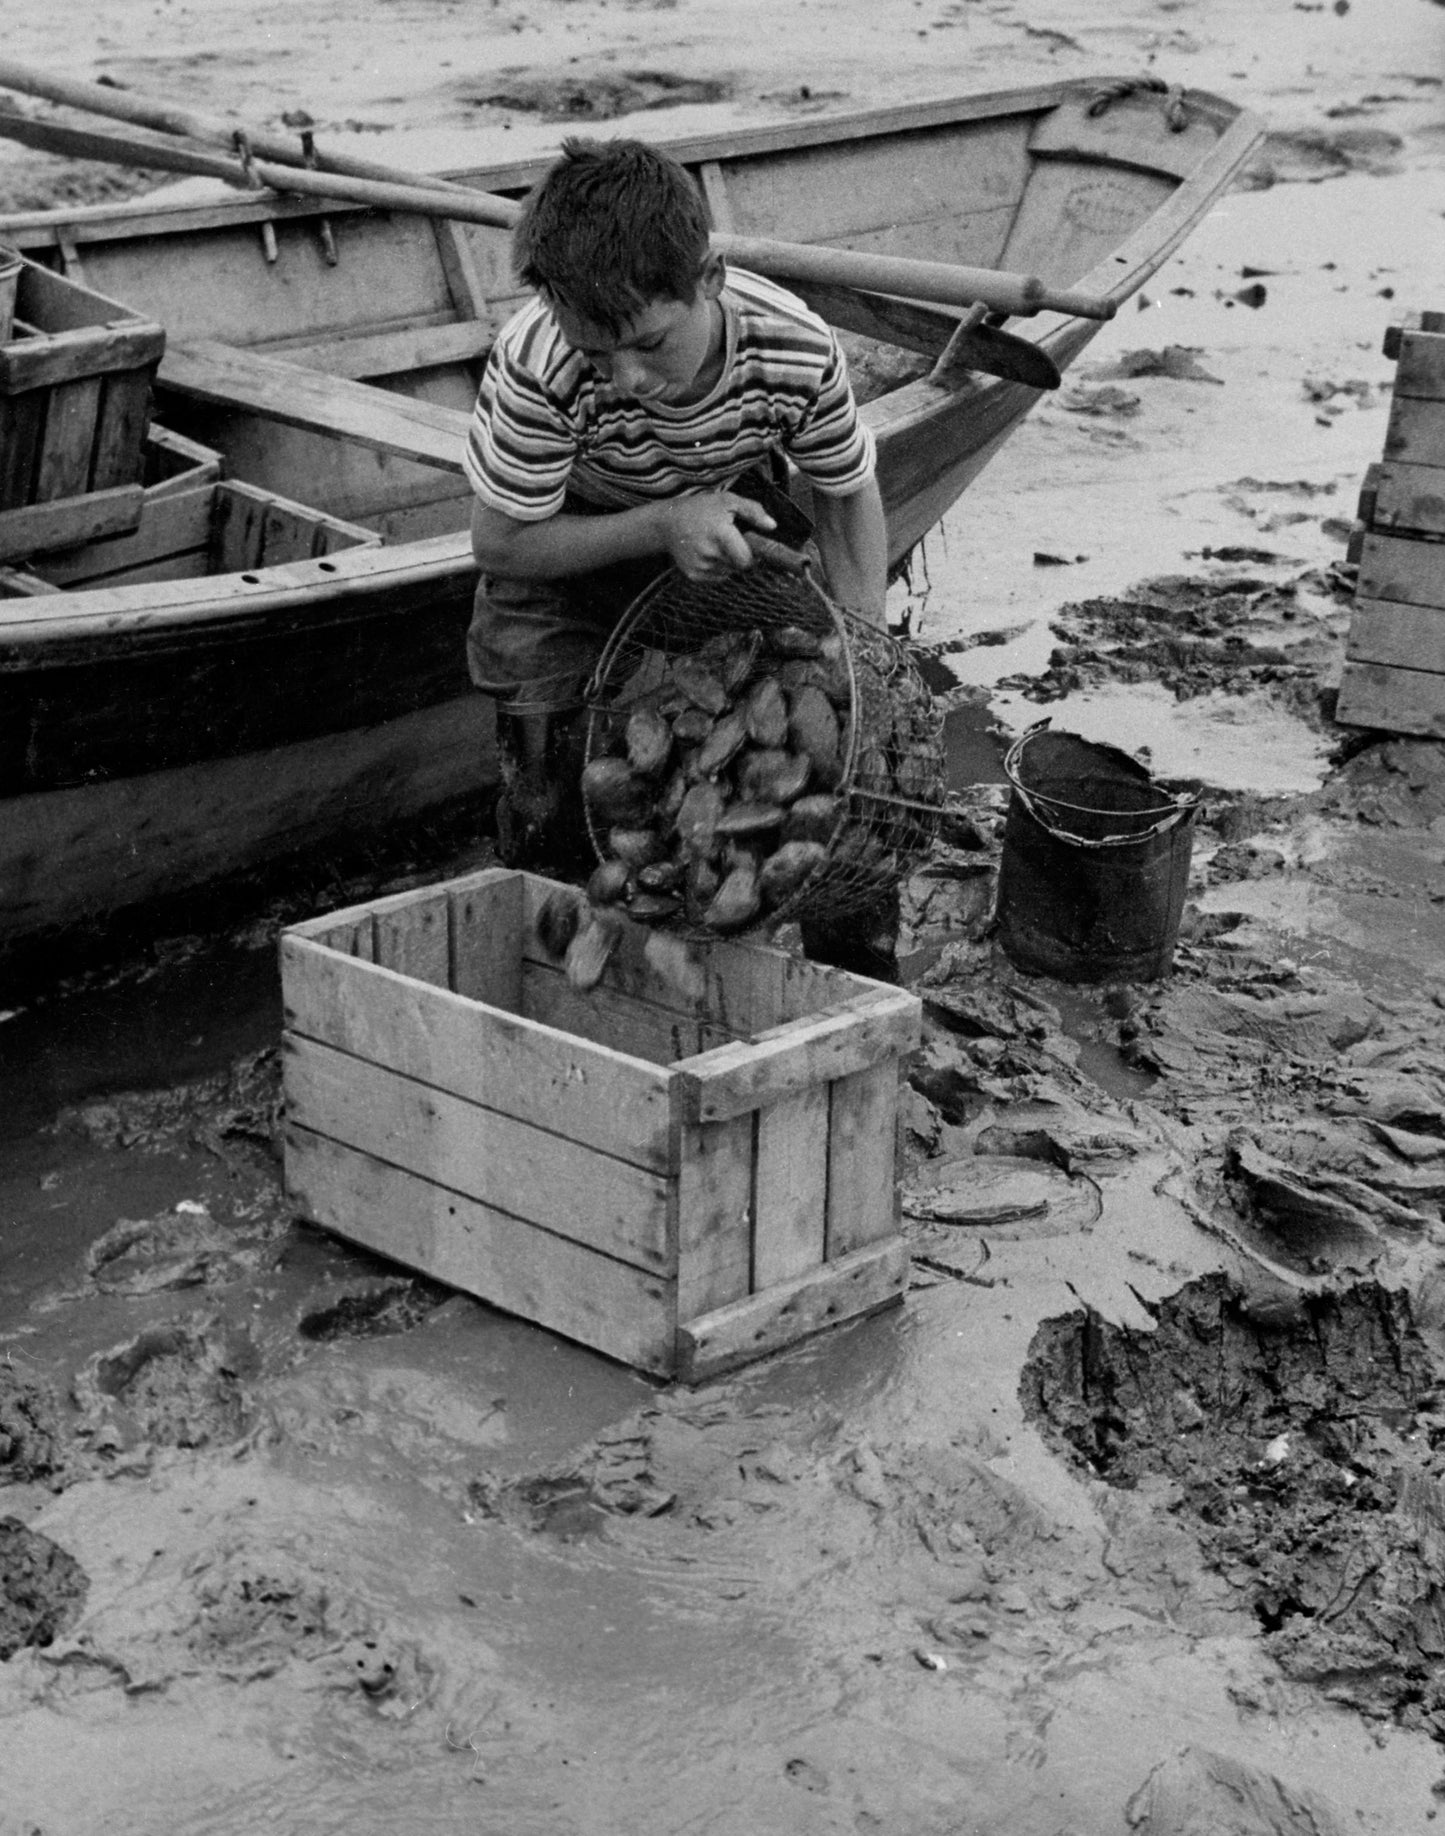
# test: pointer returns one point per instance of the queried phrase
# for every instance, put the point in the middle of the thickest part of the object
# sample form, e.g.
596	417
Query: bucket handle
1168	818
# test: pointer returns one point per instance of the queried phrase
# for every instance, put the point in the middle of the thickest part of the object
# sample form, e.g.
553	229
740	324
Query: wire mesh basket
756	754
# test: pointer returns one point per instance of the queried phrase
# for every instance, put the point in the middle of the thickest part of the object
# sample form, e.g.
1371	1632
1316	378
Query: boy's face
670	352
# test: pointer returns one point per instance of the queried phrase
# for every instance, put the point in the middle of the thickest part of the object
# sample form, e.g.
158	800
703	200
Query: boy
616	413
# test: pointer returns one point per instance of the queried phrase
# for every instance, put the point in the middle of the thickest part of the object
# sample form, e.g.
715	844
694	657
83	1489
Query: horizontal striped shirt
546	421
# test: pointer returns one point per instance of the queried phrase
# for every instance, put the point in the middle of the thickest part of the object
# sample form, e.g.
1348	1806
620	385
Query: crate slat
1395	700
124	416
1410	572
486	918
415	940
1416	432
776	1063
61	357
1408	637
1405	499
862	1283
568	1188
562	1285
560	1083
1420	365
604	1015
714	1227
791	1187
65	450
862	1203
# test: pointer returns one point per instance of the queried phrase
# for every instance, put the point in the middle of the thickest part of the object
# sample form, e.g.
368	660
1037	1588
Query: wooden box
687	1167
75	392
1394	673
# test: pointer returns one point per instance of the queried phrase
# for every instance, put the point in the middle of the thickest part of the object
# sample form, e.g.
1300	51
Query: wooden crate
195	523
75	402
1394	674
686	1168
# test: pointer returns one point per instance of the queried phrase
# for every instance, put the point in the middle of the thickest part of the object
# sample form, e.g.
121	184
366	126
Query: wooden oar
942	283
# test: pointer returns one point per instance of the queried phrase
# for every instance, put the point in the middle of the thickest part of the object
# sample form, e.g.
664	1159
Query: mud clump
42	1588
1192	636
1303	1442
31	1439
600	98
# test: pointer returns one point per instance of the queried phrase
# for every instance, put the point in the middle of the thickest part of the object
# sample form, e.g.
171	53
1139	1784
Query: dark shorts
535	643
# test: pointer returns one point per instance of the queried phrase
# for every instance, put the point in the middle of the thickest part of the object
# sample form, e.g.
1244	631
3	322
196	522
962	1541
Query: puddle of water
973	752
1237	742
186	1020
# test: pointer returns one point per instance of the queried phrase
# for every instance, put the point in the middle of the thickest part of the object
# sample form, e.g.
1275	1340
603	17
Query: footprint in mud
183	1248
42	1588
804	1773
371	1309
171	1386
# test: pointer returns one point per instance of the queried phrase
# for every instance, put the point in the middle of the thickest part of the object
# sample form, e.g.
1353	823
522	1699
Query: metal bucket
1095	862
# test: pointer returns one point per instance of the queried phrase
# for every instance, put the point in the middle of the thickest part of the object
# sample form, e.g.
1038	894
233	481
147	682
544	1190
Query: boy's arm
853	543
699	532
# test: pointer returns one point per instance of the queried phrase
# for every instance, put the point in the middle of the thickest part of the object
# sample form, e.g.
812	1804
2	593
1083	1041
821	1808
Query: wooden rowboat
271	661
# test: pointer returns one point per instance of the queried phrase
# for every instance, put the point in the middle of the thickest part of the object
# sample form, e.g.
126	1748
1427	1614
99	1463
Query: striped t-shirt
546	421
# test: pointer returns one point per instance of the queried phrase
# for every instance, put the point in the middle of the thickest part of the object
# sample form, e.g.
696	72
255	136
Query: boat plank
1127	133
1073	215
69	855
170	526
35	529
330	405
395	353
859	188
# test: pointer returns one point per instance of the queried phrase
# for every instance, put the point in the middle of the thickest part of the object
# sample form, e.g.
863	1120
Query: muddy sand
1130	1519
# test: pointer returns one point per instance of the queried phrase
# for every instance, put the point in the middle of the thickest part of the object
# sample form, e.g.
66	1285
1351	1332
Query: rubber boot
540	826
863	942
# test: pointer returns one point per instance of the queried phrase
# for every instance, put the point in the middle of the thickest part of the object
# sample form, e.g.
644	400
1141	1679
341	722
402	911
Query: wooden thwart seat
322	404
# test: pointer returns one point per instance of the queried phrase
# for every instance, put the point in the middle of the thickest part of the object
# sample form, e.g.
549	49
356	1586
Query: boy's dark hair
613	225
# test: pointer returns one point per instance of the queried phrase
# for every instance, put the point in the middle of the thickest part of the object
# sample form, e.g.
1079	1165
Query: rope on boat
1173	93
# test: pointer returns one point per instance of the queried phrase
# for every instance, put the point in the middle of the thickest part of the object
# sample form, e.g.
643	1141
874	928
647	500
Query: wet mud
1130	1518
1298	1437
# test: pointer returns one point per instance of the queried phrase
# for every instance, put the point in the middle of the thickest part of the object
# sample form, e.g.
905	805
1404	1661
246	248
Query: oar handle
777	554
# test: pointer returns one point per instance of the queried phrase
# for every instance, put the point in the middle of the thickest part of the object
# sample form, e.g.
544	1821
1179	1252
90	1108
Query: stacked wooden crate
1394	675
75	401
686	1167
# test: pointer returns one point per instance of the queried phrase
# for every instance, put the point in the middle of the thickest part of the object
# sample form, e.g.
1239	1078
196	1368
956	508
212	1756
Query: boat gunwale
747	142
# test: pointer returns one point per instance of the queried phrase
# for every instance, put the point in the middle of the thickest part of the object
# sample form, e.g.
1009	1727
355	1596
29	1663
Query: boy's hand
701	534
